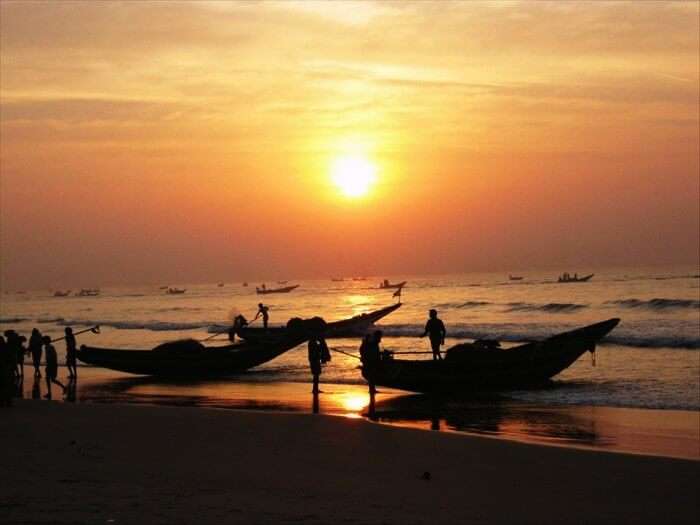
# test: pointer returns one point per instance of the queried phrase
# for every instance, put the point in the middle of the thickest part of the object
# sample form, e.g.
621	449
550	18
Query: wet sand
111	463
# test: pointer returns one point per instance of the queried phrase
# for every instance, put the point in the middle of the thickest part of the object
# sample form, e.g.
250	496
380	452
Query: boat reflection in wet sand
479	366
190	358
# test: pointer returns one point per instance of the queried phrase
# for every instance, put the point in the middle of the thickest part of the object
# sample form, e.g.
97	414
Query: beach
112	463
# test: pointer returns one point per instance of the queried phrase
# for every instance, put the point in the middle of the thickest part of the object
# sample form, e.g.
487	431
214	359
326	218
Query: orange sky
183	142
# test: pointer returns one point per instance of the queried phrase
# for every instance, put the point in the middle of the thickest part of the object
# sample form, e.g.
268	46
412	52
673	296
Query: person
7	373
239	322
435	330
14	346
264	312
370	355
51	368
71	352
35	348
318	353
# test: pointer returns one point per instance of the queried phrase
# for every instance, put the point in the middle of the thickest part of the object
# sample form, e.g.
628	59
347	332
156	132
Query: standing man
71	351
435	330
51	368
35	348
370	356
264	312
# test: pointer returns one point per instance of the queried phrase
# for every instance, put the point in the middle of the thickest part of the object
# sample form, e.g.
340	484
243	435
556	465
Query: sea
650	361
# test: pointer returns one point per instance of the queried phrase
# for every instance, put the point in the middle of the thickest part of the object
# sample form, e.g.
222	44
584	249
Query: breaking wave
656	304
156	326
549	307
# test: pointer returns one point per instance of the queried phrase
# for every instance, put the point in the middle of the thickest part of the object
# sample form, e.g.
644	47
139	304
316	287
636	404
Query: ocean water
651	360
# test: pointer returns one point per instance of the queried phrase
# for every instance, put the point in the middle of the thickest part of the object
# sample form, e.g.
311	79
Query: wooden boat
515	278
285	289
356	326
478	366
566	278
176	291
59	293
88	292
387	285
189	358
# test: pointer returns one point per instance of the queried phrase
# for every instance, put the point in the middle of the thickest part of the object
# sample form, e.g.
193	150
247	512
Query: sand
99	463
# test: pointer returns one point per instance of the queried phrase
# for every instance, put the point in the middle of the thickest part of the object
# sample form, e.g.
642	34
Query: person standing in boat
51	366
71	352
264	312
35	348
435	330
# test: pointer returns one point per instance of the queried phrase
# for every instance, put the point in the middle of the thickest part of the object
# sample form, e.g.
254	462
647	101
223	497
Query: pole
95	330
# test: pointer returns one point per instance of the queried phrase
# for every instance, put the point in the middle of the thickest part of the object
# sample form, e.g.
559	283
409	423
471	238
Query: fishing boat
59	293
176	291
88	292
567	278
285	289
515	278
356	326
385	285
190	358
483	366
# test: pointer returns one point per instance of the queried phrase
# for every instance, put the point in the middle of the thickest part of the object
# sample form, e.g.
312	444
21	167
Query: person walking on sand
51	369
263	311
14	346
435	330
35	345
71	352
7	373
370	356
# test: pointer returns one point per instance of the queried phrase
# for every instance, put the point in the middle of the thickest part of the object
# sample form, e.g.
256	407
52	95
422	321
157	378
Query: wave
549	307
656	304
11	320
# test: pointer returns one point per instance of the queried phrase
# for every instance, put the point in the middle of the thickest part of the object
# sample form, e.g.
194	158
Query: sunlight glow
354	402
354	175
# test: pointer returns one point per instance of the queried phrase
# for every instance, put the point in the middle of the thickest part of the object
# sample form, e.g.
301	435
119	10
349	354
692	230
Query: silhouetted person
51	369
71	354
239	322
14	346
315	363
318	350
370	355
7	373
35	348
36	388
264	312
71	389
435	330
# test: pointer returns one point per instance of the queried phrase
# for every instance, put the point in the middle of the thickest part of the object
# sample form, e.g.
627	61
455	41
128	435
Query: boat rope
345	353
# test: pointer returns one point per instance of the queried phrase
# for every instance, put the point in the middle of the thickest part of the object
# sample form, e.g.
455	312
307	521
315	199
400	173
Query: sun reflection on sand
354	403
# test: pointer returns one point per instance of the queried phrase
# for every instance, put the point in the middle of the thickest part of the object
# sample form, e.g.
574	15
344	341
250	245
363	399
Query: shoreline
160	464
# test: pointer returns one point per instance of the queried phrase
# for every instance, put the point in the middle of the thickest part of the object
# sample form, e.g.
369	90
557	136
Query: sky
178	142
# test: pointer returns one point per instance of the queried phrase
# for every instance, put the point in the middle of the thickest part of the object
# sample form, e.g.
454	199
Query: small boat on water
176	291
482	366
356	326
190	358
385	285
567	278
220	285
59	293
285	289
515	278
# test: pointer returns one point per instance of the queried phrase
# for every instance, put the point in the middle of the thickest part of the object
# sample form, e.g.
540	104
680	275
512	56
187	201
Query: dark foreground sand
85	463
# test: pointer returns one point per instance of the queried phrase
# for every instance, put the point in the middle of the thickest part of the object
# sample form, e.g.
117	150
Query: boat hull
353	327
286	289
480	369
206	362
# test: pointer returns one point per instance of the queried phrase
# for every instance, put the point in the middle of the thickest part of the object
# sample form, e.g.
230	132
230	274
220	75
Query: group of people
12	355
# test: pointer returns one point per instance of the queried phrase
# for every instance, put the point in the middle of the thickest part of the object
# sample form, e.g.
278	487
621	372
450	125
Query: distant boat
337	280
220	285
176	291
356	326
282	282
515	278
483	366
286	289
566	278
88	292
385	285
163	288
245	284
59	293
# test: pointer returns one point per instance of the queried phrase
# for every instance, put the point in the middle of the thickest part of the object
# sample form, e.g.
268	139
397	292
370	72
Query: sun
353	175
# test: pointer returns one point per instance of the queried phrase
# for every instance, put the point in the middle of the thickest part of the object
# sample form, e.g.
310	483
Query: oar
416	352
95	330
346	353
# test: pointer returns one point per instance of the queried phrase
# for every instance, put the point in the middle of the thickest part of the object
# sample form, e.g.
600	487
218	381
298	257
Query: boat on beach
190	358
483	366
356	326
566	278
385	285
285	289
